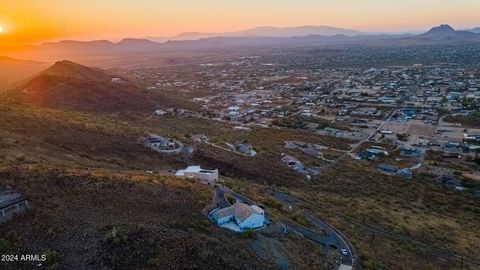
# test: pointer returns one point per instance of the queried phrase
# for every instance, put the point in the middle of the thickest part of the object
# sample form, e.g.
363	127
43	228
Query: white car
344	251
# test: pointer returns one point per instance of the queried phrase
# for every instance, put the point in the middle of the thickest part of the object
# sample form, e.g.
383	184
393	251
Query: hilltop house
160	112
376	150
451	182
392	170
246	217
365	155
387	169
11	202
410	152
164	145
196	172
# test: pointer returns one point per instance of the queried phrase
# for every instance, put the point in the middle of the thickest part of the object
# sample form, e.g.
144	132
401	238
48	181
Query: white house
246	217
234	108
196	172
160	112
118	80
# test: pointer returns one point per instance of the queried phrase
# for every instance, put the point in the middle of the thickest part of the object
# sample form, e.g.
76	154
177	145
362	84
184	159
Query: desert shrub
299	218
230	199
249	234
272	203
4	245
154	262
116	236
53	259
204	254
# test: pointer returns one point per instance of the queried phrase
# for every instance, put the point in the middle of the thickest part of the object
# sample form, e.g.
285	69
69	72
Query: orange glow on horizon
27	22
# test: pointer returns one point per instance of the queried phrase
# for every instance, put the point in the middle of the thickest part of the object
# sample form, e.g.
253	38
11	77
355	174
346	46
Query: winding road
376	229
331	238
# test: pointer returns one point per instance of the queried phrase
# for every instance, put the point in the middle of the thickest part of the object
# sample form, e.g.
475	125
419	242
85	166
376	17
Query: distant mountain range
262	36
12	69
270	31
474	30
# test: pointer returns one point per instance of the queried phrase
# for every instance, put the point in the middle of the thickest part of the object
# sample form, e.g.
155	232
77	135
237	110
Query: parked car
344	252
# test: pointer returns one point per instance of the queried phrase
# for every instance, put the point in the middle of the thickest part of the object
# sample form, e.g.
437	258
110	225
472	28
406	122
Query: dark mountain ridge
71	86
71	69
445	31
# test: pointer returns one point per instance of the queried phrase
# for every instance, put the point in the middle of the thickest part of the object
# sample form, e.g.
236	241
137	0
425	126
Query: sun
1	29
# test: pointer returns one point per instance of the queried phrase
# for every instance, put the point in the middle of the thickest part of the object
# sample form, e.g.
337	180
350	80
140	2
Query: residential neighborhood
240	135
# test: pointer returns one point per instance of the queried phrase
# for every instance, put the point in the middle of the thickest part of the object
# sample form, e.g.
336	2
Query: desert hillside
70	86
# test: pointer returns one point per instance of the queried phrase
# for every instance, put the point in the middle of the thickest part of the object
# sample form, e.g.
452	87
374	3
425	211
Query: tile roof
239	210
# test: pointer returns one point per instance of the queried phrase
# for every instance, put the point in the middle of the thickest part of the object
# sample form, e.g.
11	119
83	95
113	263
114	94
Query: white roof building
197	172
246	217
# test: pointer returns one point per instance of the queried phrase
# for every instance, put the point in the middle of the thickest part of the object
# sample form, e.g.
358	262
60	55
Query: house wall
223	220
253	222
211	177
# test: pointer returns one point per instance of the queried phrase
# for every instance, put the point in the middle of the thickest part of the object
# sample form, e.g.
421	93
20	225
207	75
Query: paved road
220	198
329	240
226	149
284	197
324	240
441	120
378	129
341	242
356	145
376	229
332	237
237	196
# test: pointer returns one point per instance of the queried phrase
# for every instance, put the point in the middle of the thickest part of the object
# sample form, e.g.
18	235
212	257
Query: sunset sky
35	21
